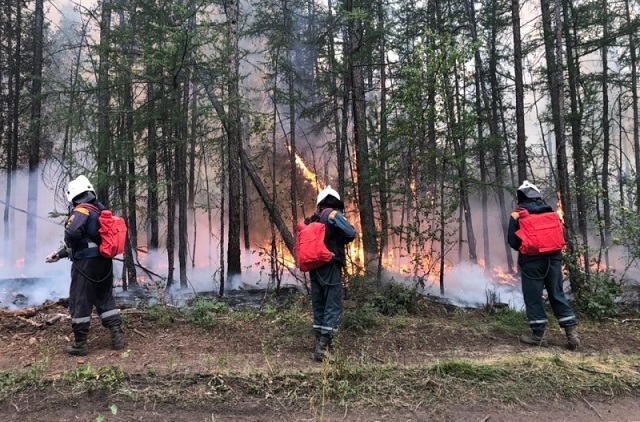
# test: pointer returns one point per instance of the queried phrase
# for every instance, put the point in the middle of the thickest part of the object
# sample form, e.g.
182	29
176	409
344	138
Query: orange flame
308	174
560	211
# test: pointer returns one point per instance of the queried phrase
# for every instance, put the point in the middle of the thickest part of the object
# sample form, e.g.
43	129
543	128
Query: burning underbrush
466	285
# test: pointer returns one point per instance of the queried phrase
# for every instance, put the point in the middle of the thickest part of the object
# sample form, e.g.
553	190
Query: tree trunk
153	231
606	142
493	121
292	121
35	133
483	181
517	64
575	121
634	102
181	92
234	268
13	108
363	165
556	90
287	237
129	154
104	96
383	153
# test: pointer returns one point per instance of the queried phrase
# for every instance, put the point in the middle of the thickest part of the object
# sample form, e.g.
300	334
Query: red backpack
311	251
540	233
112	231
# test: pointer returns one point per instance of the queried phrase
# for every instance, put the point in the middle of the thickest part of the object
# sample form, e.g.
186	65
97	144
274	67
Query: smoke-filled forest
211	127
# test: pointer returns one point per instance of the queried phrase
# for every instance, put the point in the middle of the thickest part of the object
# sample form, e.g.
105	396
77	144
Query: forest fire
560	211
501	275
421	265
310	176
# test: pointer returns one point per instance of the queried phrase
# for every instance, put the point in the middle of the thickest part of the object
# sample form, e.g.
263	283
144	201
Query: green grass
468	370
508	321
204	312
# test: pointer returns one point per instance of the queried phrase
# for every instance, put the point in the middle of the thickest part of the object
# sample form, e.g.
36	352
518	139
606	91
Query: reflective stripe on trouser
546	274
326	299
85	294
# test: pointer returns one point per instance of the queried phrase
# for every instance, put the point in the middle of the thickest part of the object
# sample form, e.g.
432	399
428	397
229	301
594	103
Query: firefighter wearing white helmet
80	186
91	273
326	281
536	232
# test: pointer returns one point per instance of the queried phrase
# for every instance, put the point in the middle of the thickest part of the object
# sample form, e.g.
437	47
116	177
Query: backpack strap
90	207
324	211
523	212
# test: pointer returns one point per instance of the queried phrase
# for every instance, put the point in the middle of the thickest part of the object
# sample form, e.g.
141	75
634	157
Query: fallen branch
54	319
593	371
28	321
140	333
28	312
143	268
623	321
133	312
592	407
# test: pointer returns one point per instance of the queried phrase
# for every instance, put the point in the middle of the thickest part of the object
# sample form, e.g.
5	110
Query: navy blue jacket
338	234
81	232
534	207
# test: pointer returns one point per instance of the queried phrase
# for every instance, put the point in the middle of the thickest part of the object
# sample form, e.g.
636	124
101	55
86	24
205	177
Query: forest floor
209	362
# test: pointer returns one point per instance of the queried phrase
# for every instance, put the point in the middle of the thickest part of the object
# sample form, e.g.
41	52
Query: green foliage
627	228
468	370
295	320
394	298
360	319
269	310
600	295
203	312
109	377
163	314
79	374
509	321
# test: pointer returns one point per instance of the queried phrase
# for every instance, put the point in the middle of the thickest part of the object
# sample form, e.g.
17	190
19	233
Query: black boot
535	339
329	345
79	347
117	337
322	349
573	341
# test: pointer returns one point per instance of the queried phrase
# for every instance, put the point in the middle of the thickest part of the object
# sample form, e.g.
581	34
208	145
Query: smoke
467	285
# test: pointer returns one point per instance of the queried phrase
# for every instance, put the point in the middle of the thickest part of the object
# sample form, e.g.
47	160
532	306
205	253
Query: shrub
360	319
600	295
203	312
394	298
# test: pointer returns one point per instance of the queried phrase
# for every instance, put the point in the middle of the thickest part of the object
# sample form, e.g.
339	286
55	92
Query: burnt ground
439	363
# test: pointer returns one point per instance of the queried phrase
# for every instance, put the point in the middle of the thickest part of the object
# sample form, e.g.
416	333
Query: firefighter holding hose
326	280
91	273
536	232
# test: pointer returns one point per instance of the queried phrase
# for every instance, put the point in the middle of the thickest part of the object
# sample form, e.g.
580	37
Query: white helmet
528	191
326	192
77	186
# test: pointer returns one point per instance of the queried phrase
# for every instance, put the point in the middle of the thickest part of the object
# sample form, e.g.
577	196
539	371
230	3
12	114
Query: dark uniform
326	281
540	272
91	279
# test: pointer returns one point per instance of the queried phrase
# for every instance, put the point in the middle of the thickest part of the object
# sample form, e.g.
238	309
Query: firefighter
541	271
326	281
91	273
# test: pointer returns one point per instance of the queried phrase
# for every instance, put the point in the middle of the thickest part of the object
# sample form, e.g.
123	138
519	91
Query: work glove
53	257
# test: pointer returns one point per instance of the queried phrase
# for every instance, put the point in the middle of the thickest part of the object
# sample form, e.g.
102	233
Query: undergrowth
508	380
